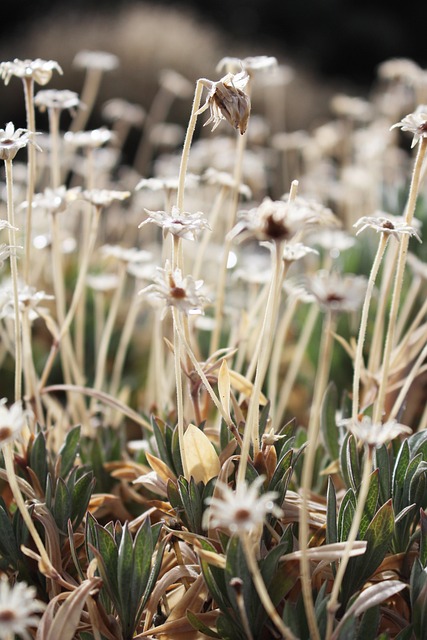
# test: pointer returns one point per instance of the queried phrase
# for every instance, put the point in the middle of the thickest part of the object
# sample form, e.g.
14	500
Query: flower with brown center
227	100
387	224
243	510
336	292
177	291
18	606
181	224
11	141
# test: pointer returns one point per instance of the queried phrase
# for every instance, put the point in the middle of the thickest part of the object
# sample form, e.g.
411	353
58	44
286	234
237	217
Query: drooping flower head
227	100
336	292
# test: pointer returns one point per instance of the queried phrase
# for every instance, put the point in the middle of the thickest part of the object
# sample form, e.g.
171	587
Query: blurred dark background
338	38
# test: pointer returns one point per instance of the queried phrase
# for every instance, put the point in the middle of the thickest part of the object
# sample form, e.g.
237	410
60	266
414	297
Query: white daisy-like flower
167	184
415	123
102	281
224	179
28	298
12	421
54	200
57	99
243	510
227	100
296	251
39	70
119	109
174	290
375	434
179	223
125	254
101	60
104	197
336	292
18	609
387	224
89	139
11	141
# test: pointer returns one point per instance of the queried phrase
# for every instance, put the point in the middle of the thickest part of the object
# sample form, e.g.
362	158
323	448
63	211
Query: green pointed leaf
399	472
423	538
331	514
62	506
346	515
197	624
9	548
38	458
328	422
382	461
80	497
69	450
371	503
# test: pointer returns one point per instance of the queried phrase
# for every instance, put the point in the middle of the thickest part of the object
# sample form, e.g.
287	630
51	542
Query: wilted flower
243	510
227	101
177	291
415	123
40	70
18	604
12	421
375	434
182	224
336	292
11	141
101	60
387	224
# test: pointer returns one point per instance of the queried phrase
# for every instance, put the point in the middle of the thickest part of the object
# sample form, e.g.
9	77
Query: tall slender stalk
397	289
31	173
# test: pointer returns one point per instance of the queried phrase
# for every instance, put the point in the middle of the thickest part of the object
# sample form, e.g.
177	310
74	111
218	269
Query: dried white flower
296	251
89	139
336	292
104	197
179	223
54	200
56	99
102	281
377	433
177	291
415	123
125	254
101	60
18	606
387	224
243	510
11	141
39	70
12	421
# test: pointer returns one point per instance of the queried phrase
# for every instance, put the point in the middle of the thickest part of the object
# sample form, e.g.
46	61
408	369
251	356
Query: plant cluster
213	421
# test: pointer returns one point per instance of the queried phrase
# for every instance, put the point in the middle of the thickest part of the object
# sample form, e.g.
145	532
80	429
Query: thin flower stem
8	461
407	306
377	339
201	250
14	276
78	290
398	282
203	378
270	317
352	535
409	378
358	359
108	330
297	358
324	362
55	165
177	347
31	173
125	338
30	376
187	144
262	590
88	96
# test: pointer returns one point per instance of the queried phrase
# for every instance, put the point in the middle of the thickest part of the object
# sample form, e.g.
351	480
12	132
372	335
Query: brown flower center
242	515
5	433
387	224
275	229
334	297
7	615
178	293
